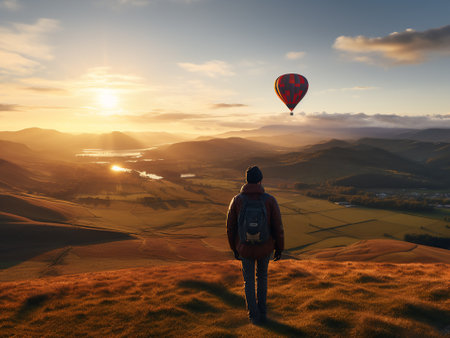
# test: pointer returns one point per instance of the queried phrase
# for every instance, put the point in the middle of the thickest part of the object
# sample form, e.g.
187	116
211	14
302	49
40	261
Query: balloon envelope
291	88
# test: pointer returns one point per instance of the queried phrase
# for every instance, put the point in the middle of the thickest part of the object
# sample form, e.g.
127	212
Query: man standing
255	230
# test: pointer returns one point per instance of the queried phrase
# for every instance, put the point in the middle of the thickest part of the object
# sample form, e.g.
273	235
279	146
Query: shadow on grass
20	242
236	301
215	289
31	304
283	329
199	306
424	313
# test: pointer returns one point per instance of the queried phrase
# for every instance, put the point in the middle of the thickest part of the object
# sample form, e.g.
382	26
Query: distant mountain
66	145
336	162
151	139
283	136
414	150
214	150
326	145
301	135
389	180
429	135
39	139
116	140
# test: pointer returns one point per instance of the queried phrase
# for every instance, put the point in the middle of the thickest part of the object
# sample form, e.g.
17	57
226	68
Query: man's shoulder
270	198
236	198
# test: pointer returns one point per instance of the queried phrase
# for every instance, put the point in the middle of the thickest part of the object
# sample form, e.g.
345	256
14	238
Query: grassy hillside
305	298
14	176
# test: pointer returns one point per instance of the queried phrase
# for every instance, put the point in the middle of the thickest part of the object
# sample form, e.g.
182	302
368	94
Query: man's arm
232	224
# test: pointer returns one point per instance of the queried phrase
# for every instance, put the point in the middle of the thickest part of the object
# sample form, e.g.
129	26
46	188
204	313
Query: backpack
253	225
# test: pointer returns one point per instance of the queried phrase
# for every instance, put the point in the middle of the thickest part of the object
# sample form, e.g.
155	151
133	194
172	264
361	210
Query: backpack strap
244	199
264	198
243	206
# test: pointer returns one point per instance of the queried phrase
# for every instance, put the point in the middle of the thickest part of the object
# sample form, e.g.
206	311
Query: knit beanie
253	175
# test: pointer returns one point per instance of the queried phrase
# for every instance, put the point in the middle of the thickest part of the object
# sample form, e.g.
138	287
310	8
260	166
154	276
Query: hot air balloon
291	88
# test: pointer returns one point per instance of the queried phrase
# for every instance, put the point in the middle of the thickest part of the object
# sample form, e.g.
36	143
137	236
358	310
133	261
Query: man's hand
277	255
236	255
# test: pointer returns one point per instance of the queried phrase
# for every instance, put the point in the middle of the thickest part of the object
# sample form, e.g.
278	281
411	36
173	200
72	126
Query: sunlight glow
107	99
119	169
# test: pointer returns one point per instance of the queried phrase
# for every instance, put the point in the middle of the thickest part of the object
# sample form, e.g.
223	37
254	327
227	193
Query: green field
309	223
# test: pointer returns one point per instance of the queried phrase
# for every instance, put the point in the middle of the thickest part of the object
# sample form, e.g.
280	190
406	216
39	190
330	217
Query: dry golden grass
306	298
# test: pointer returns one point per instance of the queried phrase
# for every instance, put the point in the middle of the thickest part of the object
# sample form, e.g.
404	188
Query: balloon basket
291	114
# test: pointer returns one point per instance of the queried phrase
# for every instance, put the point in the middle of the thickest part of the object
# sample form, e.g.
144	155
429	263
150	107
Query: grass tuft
298	273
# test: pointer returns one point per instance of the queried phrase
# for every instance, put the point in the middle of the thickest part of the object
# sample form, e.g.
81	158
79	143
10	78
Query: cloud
132	2
12	5
325	119
22	45
359	88
94	79
99	78
47	90
407	47
8	107
16	63
157	116
210	68
116	4
294	55
227	105
347	89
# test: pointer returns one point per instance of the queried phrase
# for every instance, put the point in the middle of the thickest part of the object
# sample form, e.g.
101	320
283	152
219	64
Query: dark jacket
276	240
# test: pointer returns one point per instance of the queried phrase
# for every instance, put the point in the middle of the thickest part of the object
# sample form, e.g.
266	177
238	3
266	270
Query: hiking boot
263	319
255	320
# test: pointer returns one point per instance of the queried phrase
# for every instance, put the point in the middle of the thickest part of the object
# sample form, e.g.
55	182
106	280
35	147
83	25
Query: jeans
256	310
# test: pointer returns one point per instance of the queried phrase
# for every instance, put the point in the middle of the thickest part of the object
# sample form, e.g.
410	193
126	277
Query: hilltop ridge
305	299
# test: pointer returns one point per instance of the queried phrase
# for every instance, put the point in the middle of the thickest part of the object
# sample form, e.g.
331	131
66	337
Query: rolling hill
16	177
214	150
22	238
18	152
335	162
418	151
382	250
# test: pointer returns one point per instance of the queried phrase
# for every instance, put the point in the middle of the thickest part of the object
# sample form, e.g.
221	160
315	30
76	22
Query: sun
107	99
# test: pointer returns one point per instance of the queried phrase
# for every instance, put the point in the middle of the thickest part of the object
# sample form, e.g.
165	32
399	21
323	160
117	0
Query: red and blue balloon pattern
291	88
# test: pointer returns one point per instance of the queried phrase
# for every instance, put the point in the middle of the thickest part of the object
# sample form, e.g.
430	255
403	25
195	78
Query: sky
208	66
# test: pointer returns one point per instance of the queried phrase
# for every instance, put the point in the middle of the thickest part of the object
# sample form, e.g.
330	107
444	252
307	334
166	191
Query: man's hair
253	175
